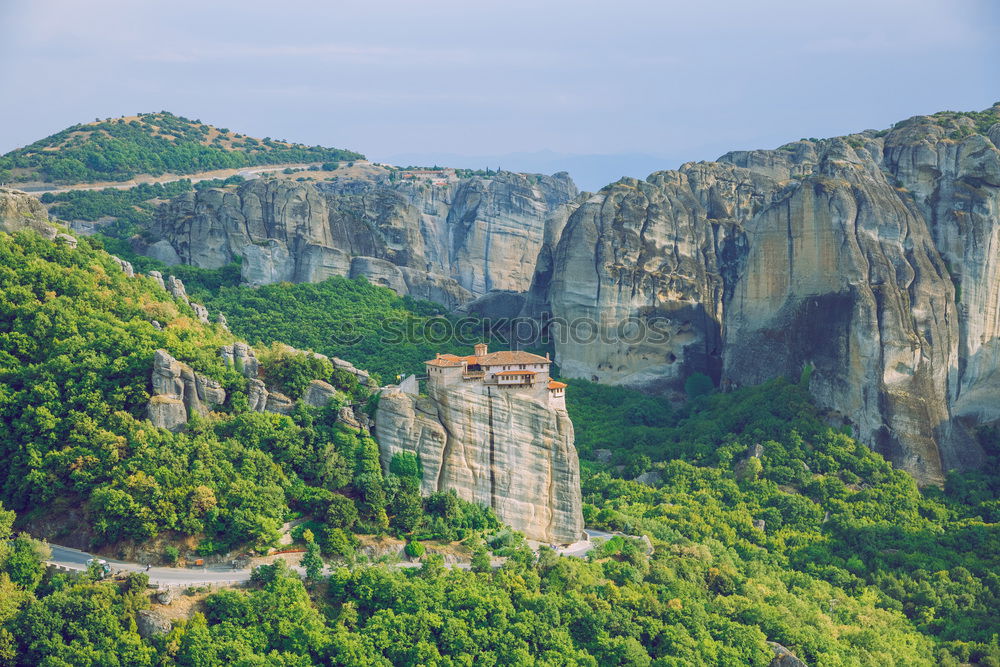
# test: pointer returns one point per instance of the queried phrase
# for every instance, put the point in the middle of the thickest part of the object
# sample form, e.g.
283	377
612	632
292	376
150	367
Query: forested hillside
76	349
151	143
811	541
370	326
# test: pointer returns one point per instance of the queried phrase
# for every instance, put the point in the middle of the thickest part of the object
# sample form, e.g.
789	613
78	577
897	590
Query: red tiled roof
471	359
507	357
443	363
501	358
554	384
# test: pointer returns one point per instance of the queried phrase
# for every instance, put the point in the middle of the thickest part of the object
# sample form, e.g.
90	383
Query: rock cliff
19	210
179	392
511	452
447	242
871	258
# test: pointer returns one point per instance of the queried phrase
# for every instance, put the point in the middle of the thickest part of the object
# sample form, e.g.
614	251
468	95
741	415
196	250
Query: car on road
105	568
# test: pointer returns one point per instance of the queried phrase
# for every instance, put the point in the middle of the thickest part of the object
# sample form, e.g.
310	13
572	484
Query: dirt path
245	172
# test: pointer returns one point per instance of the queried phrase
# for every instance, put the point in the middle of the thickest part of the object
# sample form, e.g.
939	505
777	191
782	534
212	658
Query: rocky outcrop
150	623
363	377
176	288
318	394
241	356
201	312
952	173
448	243
167	412
511	452
20	211
163	252
636	282
783	657
279	403
66	239
870	258
127	268
179	392
256	395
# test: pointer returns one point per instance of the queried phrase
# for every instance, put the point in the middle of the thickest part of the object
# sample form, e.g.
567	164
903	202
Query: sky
628	86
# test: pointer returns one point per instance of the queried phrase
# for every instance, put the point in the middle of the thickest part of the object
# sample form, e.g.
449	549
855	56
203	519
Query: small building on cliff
489	372
493	427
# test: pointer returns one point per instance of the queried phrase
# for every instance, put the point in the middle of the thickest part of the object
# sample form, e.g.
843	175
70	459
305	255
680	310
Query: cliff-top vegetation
151	143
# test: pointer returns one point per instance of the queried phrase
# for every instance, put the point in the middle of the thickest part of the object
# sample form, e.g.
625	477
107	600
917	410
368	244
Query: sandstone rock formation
164	252
150	623
783	657
19	210
176	288
257	395
179	392
511	452
318	393
279	403
201	312
66	239
871	258
241	356
363	377
447	243
127	267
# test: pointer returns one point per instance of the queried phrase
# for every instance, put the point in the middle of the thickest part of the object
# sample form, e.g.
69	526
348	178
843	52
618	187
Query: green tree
311	560
342	513
25	561
407	508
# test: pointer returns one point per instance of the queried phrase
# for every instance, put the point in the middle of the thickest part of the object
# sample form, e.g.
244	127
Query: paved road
76	560
580	549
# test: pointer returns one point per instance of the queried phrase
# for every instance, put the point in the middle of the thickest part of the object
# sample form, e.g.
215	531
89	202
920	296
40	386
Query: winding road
74	560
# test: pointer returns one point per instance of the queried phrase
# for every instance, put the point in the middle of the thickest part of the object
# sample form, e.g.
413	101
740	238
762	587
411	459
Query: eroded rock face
164	252
126	267
955	184
176	288
318	393
870	258
783	657
179	392
257	395
19	210
448	243
150	623
279	403
167	412
241	356
638	275
201	312
510	452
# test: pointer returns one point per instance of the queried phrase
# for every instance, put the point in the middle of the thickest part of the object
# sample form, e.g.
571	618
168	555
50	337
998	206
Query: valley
805	452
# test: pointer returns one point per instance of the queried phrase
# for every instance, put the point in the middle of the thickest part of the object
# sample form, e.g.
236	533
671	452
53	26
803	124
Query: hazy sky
679	80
